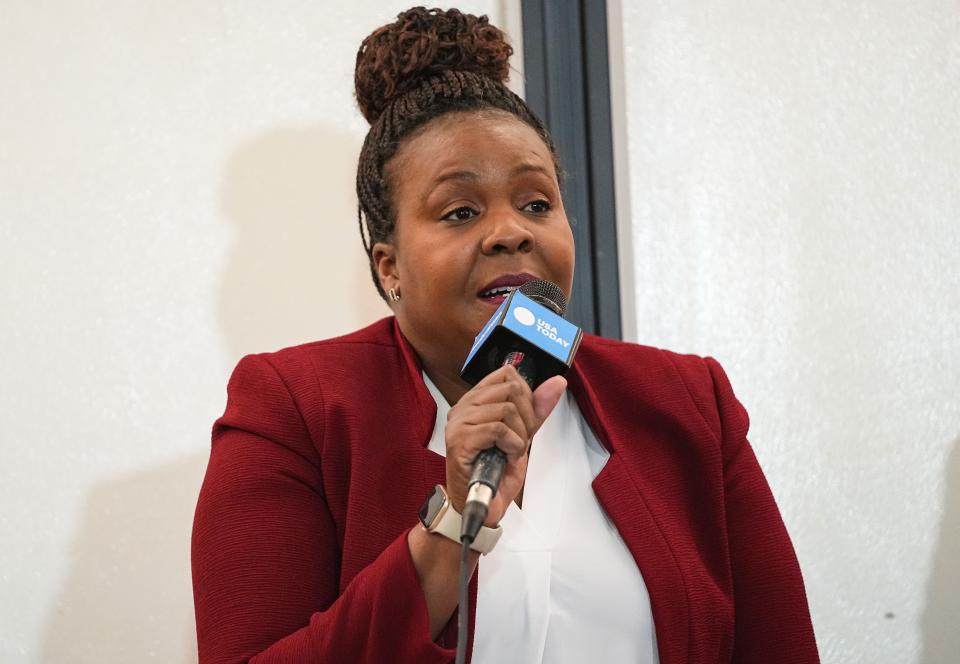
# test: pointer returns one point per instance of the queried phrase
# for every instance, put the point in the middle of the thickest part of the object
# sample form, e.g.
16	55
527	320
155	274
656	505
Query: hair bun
422	42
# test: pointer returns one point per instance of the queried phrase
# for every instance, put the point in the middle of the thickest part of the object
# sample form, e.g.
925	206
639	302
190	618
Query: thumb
546	396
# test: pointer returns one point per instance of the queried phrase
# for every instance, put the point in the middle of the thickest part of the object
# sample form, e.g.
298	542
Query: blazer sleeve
771	617
265	553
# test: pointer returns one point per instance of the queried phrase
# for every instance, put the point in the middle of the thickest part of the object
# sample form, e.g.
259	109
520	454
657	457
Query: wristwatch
438	516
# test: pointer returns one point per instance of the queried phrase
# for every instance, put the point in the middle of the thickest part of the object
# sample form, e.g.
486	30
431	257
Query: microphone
528	332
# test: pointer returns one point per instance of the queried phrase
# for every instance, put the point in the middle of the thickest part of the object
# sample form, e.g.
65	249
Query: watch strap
448	524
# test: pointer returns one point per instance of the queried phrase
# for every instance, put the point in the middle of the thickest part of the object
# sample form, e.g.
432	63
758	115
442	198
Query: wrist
437	563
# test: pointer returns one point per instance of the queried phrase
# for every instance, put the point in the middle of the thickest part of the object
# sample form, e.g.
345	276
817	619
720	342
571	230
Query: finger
546	398
478	437
504	411
514	411
497	376
512	388
505	375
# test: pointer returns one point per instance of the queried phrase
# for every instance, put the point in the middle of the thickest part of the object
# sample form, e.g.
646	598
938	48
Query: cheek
562	248
434	266
562	255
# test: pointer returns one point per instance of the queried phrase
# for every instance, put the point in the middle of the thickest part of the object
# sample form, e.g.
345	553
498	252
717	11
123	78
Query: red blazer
320	463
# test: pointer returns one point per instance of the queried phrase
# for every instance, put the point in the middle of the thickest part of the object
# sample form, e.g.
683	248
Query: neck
436	363
448	381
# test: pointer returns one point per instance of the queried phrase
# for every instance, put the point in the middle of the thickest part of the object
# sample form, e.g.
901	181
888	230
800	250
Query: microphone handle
484	482
488	468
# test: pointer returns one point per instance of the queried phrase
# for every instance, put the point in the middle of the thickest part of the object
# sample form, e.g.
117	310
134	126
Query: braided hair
425	64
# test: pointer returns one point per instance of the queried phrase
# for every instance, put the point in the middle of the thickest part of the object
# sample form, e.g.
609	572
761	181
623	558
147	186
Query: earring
394	295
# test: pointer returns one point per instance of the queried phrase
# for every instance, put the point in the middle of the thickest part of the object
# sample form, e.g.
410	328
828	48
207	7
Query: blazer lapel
620	491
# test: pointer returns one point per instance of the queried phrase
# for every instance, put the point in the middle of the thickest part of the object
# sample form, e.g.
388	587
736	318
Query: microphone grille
546	293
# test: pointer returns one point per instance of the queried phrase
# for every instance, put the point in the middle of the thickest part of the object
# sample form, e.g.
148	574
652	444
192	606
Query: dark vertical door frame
567	83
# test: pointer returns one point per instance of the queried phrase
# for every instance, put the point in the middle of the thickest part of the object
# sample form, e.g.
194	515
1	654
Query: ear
384	257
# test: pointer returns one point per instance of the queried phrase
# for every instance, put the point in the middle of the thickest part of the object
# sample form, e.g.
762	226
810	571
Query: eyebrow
456	175
527	168
471	176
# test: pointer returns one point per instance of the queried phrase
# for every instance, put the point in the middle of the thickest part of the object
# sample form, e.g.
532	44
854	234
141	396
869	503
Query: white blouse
560	587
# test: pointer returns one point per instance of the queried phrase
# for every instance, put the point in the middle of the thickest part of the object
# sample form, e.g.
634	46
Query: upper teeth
500	290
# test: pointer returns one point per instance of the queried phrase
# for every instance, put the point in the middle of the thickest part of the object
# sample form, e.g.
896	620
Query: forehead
490	139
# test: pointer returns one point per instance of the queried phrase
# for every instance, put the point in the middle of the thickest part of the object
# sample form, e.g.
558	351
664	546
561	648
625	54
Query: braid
425	65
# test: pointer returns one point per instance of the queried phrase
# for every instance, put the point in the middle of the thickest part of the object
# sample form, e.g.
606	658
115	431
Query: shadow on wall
941	619
296	270
128	578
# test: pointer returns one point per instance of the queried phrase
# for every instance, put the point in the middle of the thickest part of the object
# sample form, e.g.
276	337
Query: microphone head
546	293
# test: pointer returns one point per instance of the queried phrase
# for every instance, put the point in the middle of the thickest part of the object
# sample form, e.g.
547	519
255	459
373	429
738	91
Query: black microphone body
528	336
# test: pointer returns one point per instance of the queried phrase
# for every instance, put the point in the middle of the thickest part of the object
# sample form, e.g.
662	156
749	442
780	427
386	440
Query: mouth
500	288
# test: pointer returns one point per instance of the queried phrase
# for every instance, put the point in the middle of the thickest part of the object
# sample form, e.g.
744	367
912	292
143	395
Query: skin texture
476	197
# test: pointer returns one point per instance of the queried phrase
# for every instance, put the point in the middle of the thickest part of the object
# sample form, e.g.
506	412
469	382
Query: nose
507	232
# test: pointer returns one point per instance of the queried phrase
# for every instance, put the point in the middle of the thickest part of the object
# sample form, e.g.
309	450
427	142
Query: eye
538	206
462	213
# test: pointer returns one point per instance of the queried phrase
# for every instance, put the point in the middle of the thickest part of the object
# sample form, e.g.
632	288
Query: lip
516	280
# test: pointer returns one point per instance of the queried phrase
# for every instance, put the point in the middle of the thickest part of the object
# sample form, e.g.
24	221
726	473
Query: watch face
431	506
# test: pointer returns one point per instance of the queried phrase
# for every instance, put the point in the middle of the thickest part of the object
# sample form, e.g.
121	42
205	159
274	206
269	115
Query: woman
636	524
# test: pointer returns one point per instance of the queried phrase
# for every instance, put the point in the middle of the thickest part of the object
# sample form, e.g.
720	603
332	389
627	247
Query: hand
499	410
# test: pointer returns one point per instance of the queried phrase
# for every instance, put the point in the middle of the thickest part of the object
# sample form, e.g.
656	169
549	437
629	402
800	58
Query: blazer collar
426	407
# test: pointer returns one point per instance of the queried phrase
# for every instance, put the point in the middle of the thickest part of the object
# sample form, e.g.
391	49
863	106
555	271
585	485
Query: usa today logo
524	316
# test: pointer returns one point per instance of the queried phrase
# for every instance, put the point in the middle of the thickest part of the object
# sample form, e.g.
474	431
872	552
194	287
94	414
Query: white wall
176	190
794	178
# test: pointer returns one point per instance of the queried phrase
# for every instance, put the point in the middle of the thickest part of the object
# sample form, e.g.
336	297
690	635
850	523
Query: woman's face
477	206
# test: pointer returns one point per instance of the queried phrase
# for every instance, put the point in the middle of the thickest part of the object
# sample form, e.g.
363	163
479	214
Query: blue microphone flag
522	323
